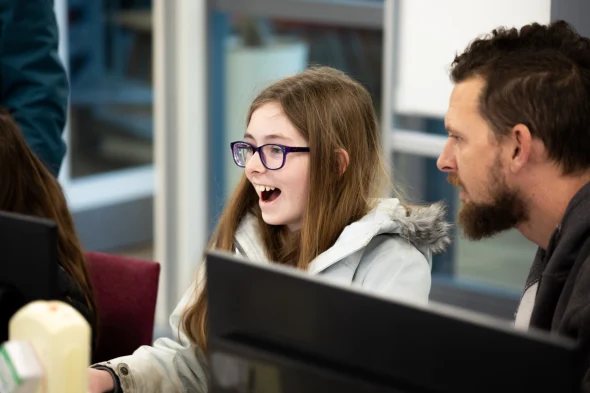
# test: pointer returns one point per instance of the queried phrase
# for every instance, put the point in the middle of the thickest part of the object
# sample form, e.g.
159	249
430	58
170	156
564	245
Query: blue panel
85	25
218	146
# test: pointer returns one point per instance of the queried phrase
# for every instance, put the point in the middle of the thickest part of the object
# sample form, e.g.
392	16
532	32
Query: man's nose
446	161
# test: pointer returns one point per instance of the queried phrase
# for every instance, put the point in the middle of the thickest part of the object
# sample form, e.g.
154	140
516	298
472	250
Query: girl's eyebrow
268	137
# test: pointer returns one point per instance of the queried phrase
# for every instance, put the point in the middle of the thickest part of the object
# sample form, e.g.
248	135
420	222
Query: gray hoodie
389	251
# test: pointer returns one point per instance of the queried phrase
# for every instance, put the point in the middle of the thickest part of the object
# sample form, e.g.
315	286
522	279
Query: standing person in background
33	82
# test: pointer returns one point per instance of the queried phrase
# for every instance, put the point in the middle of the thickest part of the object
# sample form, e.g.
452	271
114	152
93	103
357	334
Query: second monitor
274	329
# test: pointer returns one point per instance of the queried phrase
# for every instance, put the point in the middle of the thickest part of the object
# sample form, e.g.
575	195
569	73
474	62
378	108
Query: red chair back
125	290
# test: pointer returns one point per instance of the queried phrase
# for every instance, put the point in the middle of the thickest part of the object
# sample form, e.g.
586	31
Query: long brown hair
29	188
332	112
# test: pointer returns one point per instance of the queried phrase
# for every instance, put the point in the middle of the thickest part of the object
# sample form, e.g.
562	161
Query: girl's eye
276	150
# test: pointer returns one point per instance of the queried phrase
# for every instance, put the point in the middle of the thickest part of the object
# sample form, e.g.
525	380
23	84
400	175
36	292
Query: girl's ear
343	161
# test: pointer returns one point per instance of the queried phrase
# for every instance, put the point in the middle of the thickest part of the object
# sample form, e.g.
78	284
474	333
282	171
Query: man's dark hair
540	77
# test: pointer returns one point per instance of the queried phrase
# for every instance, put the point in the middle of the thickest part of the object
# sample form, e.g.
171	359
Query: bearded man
519	152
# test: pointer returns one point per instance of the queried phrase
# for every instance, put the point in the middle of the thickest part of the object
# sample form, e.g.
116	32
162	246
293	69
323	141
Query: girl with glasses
308	199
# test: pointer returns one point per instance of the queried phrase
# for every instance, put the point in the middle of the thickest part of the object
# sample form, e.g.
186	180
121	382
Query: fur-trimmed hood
425	226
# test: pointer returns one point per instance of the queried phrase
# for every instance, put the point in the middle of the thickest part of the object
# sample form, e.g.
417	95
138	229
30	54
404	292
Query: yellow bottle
61	338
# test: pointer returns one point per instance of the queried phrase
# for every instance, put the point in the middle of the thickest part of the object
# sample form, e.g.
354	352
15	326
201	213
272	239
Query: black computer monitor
28	263
274	329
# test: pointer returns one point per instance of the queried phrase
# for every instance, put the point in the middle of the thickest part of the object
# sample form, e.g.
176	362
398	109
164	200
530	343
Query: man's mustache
453	179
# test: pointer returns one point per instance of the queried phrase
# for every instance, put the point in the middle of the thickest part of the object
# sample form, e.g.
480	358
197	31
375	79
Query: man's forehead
464	102
466	93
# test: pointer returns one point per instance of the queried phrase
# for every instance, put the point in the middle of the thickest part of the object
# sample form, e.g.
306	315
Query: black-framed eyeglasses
272	155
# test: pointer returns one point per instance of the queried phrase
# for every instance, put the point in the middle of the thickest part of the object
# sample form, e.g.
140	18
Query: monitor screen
29	263
275	329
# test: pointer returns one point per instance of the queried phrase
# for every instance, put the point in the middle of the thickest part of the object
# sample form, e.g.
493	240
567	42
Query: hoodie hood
423	226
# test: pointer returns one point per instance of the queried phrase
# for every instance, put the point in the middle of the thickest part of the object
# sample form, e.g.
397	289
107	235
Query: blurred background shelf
110	45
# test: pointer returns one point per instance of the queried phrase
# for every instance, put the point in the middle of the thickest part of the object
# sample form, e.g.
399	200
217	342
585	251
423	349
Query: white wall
431	32
180	104
61	15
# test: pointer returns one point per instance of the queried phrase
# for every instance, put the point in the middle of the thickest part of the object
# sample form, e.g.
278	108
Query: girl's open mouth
270	195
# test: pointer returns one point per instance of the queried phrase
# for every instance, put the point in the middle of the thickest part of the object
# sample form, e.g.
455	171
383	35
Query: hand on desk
99	381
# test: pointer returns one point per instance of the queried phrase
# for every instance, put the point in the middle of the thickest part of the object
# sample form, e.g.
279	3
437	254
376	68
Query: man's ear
343	161
521	147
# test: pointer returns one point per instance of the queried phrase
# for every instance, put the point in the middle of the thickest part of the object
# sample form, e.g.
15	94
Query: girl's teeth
265	188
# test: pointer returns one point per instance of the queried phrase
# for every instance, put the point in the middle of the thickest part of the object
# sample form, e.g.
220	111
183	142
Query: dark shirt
562	302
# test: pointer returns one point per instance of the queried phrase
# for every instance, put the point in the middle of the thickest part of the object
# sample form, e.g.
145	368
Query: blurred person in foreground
28	188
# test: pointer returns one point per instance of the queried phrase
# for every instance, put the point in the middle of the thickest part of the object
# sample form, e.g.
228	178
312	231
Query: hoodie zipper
240	248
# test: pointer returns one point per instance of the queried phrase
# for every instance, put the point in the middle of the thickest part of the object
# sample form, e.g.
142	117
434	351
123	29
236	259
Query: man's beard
505	211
